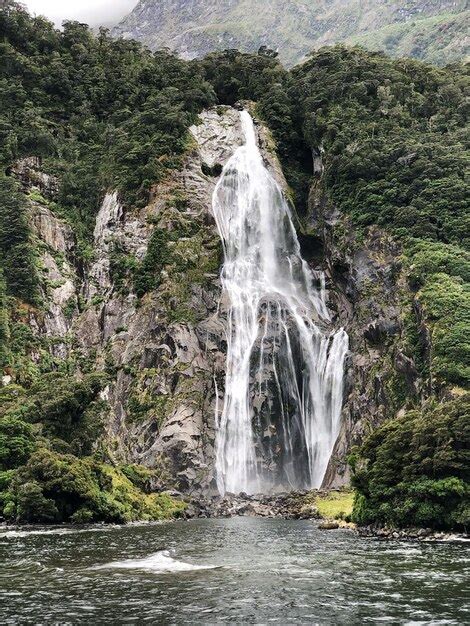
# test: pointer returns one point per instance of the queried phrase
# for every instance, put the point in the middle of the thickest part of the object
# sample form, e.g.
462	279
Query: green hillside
434	31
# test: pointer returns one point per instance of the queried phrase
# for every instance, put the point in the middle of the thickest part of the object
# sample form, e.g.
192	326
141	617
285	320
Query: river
240	570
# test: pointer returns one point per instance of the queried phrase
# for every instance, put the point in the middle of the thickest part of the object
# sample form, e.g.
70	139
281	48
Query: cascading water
275	350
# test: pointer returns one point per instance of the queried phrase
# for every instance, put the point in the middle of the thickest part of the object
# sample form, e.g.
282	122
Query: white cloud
93	12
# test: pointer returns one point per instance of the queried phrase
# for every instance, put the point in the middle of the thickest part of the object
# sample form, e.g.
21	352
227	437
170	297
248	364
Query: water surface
241	570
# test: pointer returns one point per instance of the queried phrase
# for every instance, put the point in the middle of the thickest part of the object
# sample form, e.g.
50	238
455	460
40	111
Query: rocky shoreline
301	505
288	505
293	505
411	534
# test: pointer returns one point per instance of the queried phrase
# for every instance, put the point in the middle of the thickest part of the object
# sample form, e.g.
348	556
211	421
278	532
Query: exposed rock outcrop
164	351
288	505
369	294
28	171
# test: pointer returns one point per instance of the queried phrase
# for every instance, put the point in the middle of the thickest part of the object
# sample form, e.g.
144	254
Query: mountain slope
440	39
194	28
110	260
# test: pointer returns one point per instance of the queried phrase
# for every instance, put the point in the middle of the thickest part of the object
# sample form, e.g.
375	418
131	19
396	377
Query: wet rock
410	534
291	505
368	292
379	331
328	525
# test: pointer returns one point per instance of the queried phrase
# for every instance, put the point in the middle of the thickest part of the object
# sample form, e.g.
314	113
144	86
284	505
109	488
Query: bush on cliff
415	470
54	487
17	442
17	255
70	416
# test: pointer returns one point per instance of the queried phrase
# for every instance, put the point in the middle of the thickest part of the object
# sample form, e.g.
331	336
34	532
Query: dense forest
108	114
100	114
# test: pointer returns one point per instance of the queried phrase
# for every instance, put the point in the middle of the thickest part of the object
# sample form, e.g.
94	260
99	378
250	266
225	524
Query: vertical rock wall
164	352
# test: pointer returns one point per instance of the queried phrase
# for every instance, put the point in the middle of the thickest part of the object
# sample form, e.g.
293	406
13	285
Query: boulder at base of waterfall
328	525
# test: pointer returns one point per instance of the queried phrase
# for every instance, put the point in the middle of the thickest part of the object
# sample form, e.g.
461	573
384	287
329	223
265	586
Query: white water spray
275	350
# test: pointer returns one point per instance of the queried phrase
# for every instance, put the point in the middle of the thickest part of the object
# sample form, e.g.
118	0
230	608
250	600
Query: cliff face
193	28
370	295
165	352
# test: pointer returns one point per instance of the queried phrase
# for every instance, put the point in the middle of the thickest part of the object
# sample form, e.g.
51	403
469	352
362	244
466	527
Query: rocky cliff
165	352
193	28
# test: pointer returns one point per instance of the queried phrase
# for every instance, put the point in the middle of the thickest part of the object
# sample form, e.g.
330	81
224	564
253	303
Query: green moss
144	405
137	505
335	505
35	196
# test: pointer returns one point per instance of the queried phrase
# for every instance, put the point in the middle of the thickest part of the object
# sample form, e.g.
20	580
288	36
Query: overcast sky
93	12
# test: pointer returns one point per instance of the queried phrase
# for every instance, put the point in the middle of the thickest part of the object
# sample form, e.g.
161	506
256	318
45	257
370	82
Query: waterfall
277	354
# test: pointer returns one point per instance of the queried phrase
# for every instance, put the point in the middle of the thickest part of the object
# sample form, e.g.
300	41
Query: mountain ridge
193	28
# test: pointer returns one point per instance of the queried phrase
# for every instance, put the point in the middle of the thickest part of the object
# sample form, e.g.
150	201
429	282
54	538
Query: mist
92	12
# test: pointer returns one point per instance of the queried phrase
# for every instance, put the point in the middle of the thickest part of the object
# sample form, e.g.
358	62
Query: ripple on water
267	571
21	533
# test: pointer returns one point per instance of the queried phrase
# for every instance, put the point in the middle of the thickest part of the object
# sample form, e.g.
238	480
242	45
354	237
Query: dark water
258	571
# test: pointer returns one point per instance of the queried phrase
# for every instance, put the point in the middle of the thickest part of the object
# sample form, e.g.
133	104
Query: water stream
277	348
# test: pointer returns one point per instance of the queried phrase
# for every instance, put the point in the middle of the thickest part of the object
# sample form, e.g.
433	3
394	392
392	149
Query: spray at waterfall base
277	348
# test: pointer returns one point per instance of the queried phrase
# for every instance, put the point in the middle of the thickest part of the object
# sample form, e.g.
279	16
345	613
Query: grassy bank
336	505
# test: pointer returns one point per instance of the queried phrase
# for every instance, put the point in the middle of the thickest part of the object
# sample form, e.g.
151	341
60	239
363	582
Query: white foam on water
159	562
13	534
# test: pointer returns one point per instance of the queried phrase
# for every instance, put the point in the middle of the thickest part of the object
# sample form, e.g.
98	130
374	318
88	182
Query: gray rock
328	525
29	173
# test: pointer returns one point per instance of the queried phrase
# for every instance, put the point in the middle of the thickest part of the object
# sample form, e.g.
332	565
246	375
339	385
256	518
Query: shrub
17	442
414	470
64	488
30	505
17	255
71	414
147	275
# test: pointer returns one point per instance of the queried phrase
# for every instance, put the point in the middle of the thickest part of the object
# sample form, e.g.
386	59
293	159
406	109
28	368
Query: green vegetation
69	416
105	114
415	470
54	487
335	505
17	256
440	39
146	275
